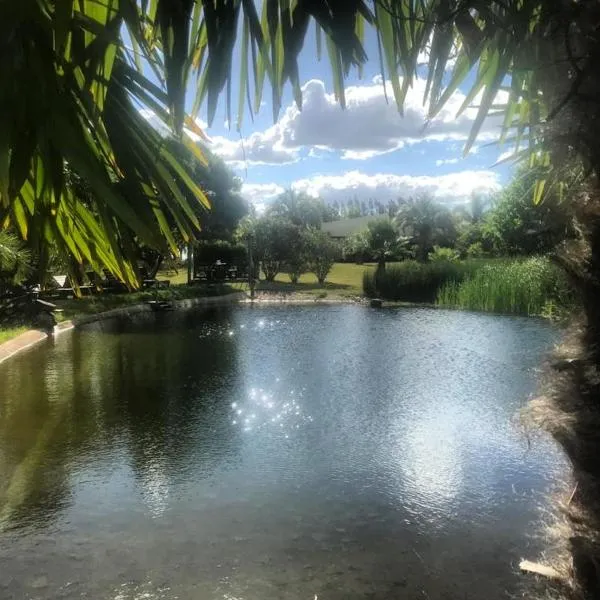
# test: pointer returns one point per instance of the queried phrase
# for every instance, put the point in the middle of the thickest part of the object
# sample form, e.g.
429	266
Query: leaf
63	13
386	30
539	191
319	41
492	80
336	67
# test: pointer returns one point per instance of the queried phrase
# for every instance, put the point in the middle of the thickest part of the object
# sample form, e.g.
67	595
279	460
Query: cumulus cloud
368	127
452	188
260	148
260	194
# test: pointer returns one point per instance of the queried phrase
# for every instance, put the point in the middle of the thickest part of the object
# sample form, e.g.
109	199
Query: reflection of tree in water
174	402
161	399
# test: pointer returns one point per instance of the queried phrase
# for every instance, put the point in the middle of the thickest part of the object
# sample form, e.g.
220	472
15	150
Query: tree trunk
153	272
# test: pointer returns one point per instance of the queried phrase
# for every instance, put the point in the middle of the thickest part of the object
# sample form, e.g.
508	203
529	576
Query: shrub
322	252
440	254
414	281
208	252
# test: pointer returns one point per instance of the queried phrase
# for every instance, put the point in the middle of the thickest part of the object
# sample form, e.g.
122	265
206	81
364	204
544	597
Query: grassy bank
73	307
8	333
533	286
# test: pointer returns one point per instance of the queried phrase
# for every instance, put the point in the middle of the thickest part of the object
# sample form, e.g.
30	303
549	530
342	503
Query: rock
376	303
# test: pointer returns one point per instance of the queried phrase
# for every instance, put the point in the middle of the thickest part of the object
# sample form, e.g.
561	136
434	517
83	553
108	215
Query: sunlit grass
344	279
8	333
526	287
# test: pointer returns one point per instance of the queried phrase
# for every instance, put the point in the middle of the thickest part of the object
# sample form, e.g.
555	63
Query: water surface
274	452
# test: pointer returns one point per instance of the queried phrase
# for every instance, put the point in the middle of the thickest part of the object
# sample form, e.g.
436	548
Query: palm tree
298	208
474	211
75	72
15	260
426	223
381	239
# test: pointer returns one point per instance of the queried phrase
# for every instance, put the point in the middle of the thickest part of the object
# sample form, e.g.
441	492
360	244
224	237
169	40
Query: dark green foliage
274	240
516	225
413	281
15	261
207	252
425	223
300	209
322	252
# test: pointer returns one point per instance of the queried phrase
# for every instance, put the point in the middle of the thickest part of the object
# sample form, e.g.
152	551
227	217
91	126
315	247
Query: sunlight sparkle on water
265	408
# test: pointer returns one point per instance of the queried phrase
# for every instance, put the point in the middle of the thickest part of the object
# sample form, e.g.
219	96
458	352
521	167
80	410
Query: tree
382	238
298	252
356	247
323	251
426	223
298	208
518	226
272	246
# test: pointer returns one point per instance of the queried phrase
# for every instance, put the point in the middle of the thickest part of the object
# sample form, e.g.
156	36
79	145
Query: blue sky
367	151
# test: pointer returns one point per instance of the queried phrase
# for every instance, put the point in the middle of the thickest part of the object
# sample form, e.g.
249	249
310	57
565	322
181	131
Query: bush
533	286
208	252
413	281
443	254
322	252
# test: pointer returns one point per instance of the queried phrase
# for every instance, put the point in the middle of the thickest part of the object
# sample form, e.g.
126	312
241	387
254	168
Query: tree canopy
77	72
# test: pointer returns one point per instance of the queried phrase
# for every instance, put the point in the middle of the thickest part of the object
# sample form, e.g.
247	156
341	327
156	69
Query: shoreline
33	337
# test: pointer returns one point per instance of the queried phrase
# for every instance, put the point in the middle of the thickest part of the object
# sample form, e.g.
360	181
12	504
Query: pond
274	452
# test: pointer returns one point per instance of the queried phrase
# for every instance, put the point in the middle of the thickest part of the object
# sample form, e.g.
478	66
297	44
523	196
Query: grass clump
532	286
413	281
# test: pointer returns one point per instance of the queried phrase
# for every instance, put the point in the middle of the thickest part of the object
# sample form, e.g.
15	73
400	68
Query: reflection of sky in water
275	411
220	458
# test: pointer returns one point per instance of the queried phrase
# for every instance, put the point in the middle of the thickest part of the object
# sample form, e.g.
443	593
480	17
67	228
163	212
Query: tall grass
532	286
413	281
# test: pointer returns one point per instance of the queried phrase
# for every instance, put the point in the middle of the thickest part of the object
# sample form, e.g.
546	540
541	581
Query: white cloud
450	188
368	127
260	194
446	161
260	148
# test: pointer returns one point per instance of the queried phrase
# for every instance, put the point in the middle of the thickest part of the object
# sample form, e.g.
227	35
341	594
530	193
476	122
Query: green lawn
9	333
345	279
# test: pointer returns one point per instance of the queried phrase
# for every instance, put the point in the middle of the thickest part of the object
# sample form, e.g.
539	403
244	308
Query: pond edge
33	337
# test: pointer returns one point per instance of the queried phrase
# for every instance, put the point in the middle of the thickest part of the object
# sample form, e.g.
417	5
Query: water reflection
105	391
276	452
277	411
